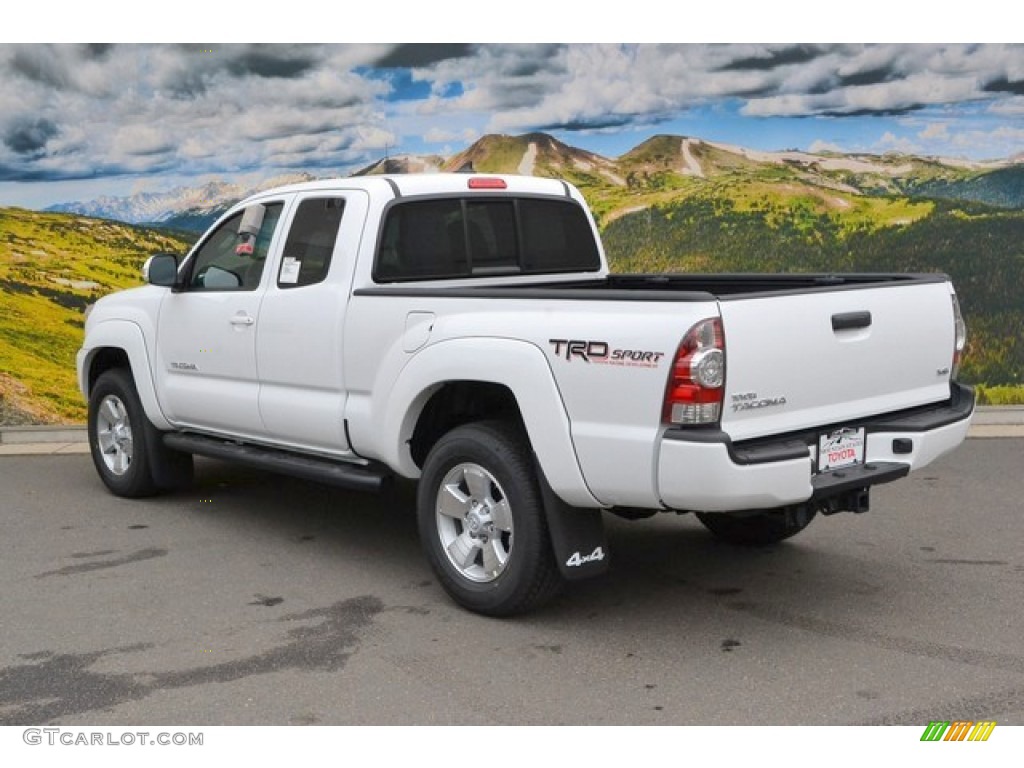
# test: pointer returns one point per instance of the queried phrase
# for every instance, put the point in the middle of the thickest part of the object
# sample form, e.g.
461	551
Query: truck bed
660	287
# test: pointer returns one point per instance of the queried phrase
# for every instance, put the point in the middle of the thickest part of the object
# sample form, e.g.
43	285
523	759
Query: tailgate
795	361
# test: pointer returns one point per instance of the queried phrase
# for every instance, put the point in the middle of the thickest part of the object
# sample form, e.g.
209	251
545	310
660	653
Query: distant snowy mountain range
190	208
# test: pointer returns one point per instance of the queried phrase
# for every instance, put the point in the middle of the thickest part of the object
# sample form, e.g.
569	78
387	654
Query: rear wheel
482	522
757	528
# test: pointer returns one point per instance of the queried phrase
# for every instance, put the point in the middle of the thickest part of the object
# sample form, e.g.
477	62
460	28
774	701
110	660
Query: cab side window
310	243
232	258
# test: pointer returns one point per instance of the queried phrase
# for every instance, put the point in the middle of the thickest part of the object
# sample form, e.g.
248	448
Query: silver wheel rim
474	522
114	435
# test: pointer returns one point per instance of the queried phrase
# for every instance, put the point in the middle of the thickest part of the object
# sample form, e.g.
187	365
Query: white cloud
1001	141
141	140
819	146
890	142
439	136
938	131
1010	107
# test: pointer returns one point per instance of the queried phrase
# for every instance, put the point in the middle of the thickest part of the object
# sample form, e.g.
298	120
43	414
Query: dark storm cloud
196	67
774	58
150	151
18	173
29	137
185	84
594	124
886	112
10	172
868	77
40	64
534	60
511	94
753	92
835	81
98	50
1005	85
411	55
271	62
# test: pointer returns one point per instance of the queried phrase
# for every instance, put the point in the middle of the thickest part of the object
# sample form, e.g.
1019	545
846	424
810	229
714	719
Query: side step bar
357	477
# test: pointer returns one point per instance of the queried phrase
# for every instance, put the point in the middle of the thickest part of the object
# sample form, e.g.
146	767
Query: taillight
959	336
696	381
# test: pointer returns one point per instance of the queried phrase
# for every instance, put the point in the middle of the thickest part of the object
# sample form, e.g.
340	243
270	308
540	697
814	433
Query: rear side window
310	243
466	237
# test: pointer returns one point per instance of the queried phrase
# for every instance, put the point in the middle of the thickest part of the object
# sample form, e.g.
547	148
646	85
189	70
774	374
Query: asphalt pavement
257	599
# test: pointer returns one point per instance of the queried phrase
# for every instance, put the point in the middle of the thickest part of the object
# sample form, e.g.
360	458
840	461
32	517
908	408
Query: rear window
473	237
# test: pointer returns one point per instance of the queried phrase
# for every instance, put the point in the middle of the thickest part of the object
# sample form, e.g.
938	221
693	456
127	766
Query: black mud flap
171	470
577	536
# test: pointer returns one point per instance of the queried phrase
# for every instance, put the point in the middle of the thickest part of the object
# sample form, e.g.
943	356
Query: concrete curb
990	421
69	433
1005	415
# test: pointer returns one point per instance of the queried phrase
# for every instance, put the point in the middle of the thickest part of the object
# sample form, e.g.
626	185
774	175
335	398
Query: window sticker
290	270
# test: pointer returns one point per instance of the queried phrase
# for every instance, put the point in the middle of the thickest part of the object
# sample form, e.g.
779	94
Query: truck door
299	345
206	334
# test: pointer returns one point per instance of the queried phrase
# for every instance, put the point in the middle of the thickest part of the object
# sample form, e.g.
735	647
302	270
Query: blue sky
81	121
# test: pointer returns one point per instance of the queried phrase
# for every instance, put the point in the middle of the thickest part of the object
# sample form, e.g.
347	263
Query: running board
357	477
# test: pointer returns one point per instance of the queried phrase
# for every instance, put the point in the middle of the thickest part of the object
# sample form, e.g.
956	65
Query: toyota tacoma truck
464	332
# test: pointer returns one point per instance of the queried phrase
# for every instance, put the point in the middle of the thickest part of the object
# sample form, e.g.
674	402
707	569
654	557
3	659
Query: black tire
483	476
126	448
757	529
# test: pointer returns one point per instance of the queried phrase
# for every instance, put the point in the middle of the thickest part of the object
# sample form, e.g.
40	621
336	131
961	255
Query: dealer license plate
842	448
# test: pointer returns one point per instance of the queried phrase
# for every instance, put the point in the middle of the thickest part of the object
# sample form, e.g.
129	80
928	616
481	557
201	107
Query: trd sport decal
601	353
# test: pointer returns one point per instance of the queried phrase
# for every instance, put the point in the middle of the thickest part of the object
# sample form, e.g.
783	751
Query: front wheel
129	456
482	521
757	528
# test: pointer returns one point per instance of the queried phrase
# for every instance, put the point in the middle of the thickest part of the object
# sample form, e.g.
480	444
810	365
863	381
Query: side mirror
161	269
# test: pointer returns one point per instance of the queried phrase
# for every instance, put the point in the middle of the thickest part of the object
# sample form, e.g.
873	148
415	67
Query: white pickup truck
464	331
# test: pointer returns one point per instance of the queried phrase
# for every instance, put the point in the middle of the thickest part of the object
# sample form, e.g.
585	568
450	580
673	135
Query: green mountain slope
1003	187
51	266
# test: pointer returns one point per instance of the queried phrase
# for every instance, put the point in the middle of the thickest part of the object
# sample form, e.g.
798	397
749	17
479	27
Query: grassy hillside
51	266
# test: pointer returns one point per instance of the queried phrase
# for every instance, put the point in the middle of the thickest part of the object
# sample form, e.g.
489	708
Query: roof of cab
429	184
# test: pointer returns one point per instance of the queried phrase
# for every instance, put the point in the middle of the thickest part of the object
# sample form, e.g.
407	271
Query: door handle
242	319
847	321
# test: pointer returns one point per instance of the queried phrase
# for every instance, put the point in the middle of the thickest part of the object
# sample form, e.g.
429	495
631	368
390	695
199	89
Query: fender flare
126	336
520	366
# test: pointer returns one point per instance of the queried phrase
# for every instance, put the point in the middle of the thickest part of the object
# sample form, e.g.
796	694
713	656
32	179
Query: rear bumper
704	470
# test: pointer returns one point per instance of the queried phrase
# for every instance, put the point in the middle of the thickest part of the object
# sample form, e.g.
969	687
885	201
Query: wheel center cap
474	521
